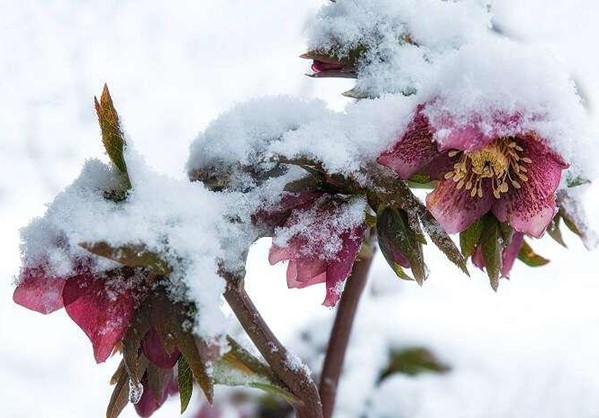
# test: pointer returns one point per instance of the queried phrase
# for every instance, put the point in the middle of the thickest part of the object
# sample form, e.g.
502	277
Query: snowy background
528	351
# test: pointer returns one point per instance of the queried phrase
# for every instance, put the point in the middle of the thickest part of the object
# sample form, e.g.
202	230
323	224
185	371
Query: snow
171	70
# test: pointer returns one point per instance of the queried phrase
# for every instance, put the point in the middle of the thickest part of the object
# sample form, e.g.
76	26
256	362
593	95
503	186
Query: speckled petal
413	151
532	207
455	209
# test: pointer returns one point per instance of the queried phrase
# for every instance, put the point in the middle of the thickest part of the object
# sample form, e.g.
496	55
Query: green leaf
412	362
112	133
555	231
130	256
529	257
397	239
491	249
575	181
419	181
470	238
184	382
232	370
310	182
443	241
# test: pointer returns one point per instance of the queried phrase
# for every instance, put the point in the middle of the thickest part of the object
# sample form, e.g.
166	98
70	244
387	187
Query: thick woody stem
333	363
293	375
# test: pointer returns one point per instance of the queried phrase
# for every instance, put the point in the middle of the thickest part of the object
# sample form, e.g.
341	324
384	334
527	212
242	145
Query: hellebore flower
101	309
480	170
508	255
318	249
152	400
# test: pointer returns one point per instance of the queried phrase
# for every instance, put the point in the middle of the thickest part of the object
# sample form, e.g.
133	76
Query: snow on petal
103	313
38	292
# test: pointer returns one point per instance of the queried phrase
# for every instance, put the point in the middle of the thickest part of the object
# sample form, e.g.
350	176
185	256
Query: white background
528	351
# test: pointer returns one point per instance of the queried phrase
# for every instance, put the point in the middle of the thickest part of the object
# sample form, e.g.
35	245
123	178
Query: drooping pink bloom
149	402
101	310
508	255
480	170
310	261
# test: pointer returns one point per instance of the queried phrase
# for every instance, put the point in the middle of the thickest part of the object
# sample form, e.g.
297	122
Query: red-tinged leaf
443	241
399	244
120	395
38	292
112	133
132	342
169	319
130	256
103	313
184	382
529	257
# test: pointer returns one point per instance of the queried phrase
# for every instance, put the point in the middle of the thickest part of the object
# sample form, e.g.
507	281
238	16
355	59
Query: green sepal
529	257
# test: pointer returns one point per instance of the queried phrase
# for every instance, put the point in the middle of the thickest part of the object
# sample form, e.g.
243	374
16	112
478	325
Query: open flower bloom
318	249
508	255
480	170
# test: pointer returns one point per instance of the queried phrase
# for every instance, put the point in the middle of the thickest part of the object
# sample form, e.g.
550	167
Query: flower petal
477	258
510	253
531	208
455	209
414	150
148	404
38	292
103	314
154	350
339	269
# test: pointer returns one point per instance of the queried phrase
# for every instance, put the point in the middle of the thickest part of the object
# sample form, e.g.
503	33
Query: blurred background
530	350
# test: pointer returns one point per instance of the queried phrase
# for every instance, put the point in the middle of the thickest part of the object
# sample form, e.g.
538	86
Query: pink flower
154	350
102	310
311	261
480	170
508	255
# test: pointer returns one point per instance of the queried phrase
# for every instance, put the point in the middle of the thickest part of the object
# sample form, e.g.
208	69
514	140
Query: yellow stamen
501	162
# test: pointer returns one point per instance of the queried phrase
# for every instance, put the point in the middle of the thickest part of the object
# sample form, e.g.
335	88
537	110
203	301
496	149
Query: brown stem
294	376
341	332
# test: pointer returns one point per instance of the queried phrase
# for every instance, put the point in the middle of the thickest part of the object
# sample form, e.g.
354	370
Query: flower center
502	162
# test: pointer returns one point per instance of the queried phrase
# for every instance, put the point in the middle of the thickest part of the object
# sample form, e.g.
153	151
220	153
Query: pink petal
154	350
277	254
476	133
414	150
148	404
103	314
308	276
38	292
440	165
531	208
455	209
510	253
339	269
477	258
